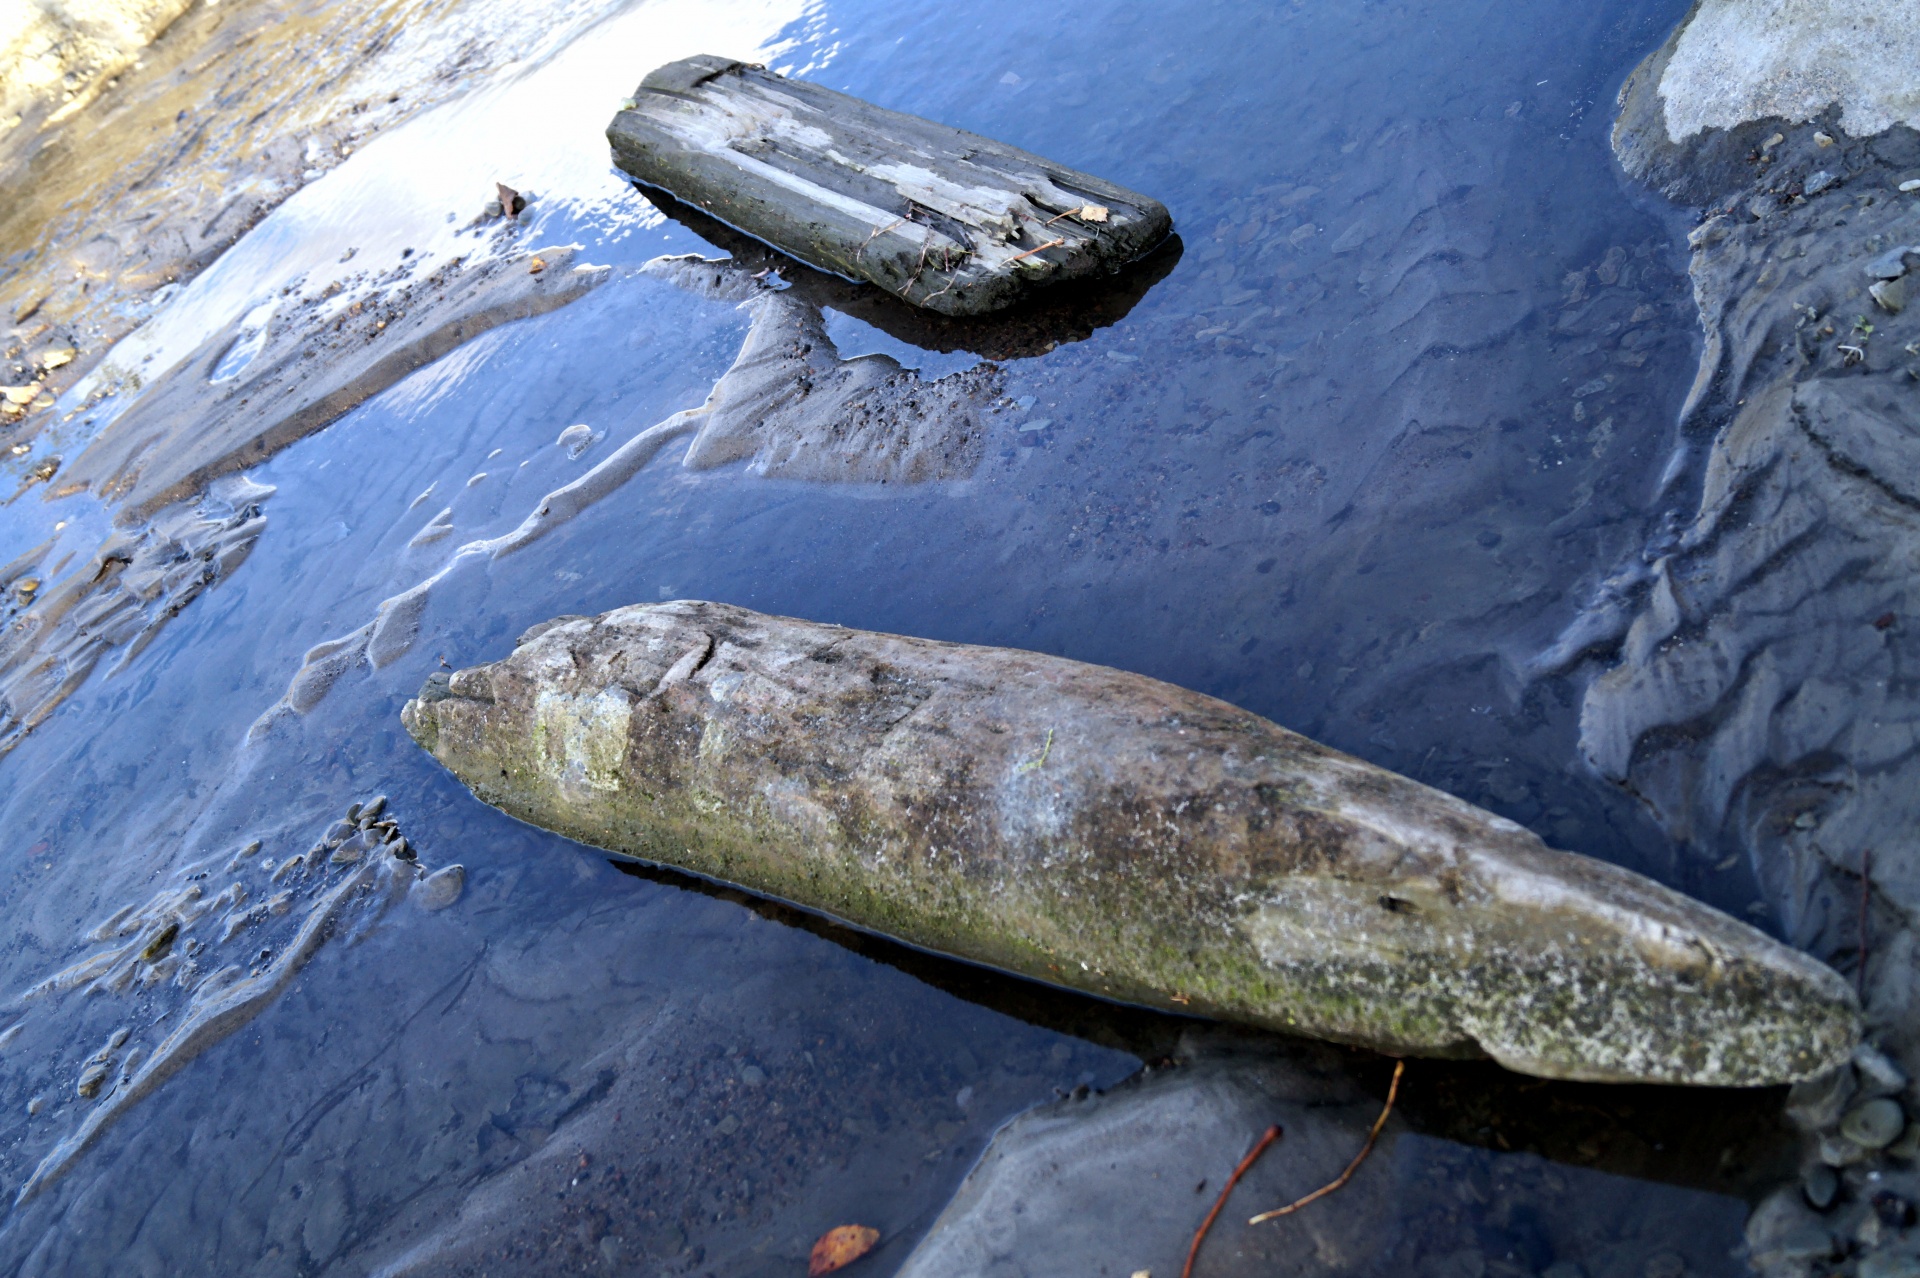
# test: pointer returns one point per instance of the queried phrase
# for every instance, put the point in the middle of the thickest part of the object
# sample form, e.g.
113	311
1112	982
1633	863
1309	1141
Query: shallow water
1400	395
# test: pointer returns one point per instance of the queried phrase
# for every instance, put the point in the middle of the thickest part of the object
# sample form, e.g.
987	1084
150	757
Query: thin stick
1866	891
1259	1148
1393	1090
1038	248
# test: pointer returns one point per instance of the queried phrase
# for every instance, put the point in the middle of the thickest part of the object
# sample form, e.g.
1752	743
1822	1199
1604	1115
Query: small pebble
1908	1146
753	1075
1875	1124
90	1080
1878	1074
375	806
1824	139
353	809
576	439
1821	1186
441	888
1818	182
1911	186
250	849
35	1105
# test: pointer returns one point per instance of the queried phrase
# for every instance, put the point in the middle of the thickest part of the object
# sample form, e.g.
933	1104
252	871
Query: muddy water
1347	454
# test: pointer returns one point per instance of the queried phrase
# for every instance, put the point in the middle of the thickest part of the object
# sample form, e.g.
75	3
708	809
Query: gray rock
1890	294
1819	1101
1890	1264
1115	834
1736	62
1892	264
1819	181
1877	1073
441	888
946	219
1105	1184
1875	1124
1821	1184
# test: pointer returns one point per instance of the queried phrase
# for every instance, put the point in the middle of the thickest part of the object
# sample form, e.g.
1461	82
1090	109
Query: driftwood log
946	219
1112	833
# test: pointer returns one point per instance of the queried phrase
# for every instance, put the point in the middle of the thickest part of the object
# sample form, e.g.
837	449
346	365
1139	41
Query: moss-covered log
1109	832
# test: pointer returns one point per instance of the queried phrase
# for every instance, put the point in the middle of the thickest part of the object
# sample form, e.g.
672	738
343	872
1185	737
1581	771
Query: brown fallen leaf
536	266
1093	213
840	1247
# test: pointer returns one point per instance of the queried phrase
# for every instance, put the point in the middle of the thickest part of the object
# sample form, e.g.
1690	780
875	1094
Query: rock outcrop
1112	833
1749	671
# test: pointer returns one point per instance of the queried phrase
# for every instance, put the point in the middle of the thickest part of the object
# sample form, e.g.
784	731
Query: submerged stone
946	219
1108	832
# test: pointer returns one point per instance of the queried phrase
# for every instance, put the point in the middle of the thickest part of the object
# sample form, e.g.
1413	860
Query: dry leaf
57	356
536	266
1093	213
840	1247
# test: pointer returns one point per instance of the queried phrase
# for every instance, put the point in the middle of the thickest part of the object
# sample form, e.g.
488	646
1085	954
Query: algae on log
946	219
1112	833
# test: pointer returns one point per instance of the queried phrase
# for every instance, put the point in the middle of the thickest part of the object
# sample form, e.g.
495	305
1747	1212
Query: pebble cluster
119	599
1853	1209
167	952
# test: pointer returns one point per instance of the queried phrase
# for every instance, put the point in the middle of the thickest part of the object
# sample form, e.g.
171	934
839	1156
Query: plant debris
840	1247
1393	1091
1199	1235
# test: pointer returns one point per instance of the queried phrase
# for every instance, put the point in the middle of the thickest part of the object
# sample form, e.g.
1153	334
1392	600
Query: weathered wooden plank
944	218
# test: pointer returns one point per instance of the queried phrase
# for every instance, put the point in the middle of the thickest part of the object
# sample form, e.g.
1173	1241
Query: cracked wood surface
944	218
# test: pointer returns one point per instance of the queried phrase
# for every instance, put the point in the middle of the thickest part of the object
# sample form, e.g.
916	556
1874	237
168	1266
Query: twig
1866	891
1045	750
878	231
1038	248
1259	1148
1393	1090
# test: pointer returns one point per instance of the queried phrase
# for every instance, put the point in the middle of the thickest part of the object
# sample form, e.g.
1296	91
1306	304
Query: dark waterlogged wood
946	219
1112	833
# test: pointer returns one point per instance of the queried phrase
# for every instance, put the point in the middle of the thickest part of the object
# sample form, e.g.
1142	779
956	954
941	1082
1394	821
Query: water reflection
1054	317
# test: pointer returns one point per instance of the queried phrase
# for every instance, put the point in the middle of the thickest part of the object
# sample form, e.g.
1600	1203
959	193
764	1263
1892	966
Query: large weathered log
1116	834
947	219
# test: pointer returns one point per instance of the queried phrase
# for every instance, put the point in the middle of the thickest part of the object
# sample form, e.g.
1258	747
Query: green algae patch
1115	834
